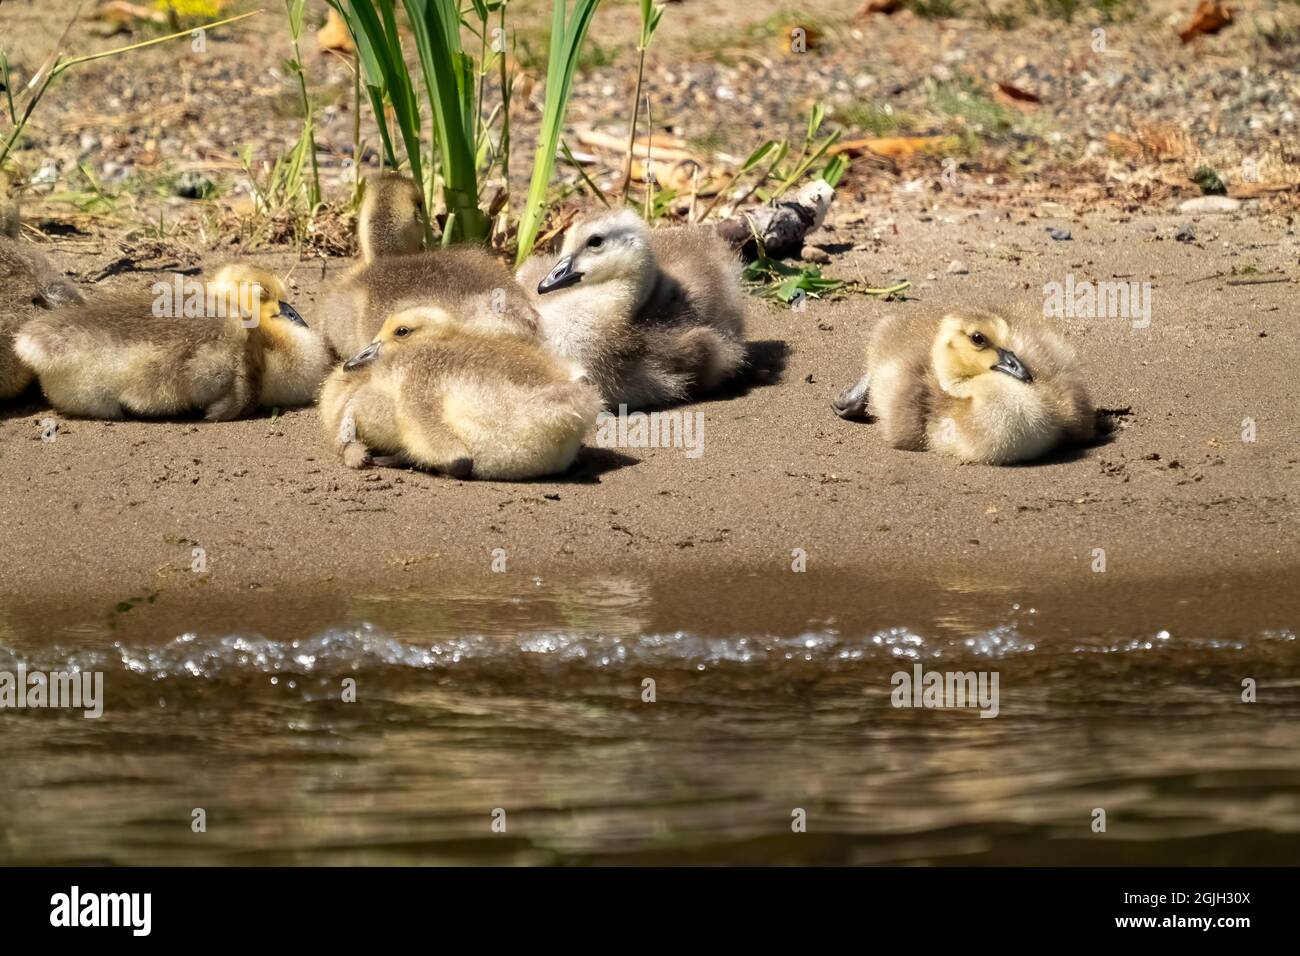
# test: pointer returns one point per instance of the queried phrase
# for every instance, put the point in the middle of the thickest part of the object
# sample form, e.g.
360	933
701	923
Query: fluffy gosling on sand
27	286
437	394
973	385
394	274
652	316
139	353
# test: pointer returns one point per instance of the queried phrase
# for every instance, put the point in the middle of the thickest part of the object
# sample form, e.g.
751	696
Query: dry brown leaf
1152	142
1209	17
789	39
1251	190
618	144
1015	96
677	176
124	13
897	147
334	34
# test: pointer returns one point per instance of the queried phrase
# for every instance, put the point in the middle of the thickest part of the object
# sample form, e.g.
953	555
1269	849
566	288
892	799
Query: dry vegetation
184	151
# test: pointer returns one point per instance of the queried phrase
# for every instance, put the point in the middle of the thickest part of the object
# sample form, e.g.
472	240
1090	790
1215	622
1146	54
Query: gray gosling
973	385
116	355
432	392
395	274
653	317
28	285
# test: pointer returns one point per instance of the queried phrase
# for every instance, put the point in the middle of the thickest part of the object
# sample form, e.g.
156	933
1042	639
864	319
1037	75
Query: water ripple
365	648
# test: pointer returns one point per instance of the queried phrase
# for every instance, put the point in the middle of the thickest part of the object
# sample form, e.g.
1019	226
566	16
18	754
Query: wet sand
111	512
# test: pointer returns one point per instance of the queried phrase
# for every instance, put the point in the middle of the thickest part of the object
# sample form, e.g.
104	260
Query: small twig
1257	281
568	155
631	136
649	159
695	191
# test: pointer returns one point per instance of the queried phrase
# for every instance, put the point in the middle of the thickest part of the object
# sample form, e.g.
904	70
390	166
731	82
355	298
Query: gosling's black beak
364	357
1010	363
561	277
289	312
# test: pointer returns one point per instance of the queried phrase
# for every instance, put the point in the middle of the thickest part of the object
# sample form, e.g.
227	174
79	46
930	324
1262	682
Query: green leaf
567	37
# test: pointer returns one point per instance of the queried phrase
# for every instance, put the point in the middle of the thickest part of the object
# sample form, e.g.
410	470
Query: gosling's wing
699	281
118	319
1043	348
470	284
1055	367
903	391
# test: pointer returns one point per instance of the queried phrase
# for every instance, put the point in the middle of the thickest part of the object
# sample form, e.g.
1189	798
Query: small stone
1185	233
1210	204
957	268
814	254
1060	235
193	186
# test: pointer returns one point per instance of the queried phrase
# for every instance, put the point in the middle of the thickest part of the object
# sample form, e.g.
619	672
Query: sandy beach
108	511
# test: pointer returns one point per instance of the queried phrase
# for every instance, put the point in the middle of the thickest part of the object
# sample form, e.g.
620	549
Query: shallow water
772	694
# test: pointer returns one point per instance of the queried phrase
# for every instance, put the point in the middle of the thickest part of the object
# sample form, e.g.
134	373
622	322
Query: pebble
1211	204
957	268
1186	233
193	185
1060	235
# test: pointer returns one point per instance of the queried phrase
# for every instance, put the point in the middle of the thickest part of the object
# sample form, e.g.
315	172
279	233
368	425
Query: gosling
27	286
394	274
653	317
434	393
973	385
224	348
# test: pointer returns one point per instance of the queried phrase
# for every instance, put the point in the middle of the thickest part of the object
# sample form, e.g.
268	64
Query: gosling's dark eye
402	332
594	242
978	340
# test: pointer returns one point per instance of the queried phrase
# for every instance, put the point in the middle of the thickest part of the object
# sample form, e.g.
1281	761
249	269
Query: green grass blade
373	75
567	36
449	84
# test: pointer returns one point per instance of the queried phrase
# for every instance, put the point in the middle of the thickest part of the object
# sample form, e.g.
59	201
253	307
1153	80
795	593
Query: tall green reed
459	153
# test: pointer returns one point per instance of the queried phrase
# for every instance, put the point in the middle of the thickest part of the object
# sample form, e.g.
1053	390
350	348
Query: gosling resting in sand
224	348
973	385
27	287
394	274
437	394
651	316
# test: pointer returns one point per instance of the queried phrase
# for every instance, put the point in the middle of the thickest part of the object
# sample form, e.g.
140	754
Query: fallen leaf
676	176
897	147
1015	96
1251	190
334	34
1210	17
789	40
1154	142
659	151
124	13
